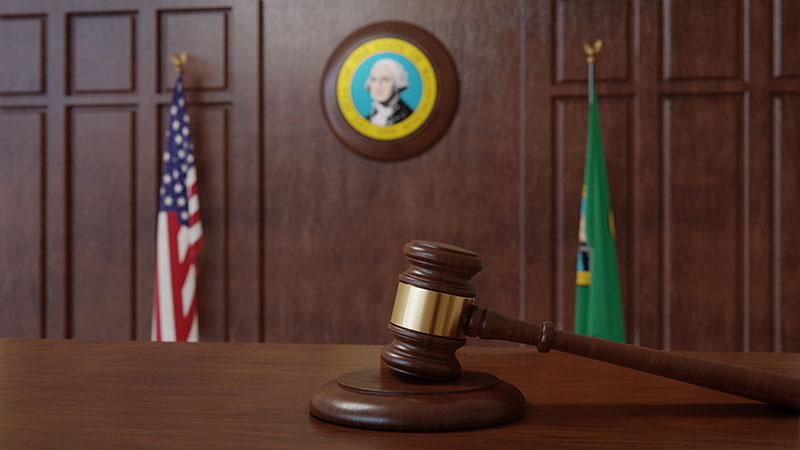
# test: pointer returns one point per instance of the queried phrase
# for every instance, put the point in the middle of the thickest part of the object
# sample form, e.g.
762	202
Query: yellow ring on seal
427	100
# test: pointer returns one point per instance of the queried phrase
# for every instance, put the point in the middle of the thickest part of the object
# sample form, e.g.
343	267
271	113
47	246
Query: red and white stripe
175	306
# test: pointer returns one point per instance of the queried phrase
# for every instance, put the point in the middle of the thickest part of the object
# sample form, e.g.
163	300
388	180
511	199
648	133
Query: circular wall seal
389	91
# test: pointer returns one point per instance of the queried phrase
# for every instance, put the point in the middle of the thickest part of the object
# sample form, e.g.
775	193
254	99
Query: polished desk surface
79	394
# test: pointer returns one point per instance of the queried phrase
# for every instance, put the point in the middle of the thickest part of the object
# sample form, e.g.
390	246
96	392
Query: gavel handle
770	387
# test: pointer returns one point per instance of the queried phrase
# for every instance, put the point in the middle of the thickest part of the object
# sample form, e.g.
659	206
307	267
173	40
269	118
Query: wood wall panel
101	65
787	141
101	235
646	230
97	274
22	54
304	237
335	222
22	223
178	32
570	148
758	147
702	157
586	20
702	39
785	38
537	235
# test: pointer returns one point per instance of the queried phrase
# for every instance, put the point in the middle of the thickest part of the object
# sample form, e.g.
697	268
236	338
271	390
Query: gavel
435	310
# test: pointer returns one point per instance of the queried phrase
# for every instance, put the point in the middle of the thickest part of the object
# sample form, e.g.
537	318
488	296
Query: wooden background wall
699	104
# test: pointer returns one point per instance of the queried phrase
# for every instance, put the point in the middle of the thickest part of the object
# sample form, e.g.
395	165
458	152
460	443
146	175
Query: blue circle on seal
361	98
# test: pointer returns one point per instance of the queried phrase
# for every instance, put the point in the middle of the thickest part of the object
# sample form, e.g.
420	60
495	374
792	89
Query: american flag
179	235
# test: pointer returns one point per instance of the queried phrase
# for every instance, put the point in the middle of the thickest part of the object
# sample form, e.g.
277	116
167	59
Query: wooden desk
78	394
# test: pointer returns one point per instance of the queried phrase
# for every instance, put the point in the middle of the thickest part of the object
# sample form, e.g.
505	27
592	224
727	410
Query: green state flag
598	310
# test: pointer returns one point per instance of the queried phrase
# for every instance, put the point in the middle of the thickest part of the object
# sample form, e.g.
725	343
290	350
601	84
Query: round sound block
382	399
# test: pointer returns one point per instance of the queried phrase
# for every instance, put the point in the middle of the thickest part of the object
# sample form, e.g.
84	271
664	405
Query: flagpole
591	55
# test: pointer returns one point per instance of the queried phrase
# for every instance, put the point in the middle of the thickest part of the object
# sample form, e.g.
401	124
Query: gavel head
433	298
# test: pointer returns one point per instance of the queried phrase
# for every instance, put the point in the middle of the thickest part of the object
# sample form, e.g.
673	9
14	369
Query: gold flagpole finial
592	50
178	61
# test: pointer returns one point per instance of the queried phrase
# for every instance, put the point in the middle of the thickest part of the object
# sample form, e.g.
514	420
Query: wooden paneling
101	173
787	246
22	223
646	230
538	208
702	39
785	38
178	32
335	222
303	237
702	159
22	54
101	65
99	150
758	185
586	20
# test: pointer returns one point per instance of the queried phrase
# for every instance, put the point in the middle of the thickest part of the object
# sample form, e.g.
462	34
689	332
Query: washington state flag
598	309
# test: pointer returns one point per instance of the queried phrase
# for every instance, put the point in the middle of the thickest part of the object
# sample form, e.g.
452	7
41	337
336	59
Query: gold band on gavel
430	312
